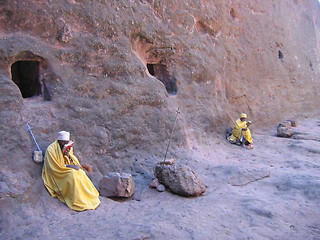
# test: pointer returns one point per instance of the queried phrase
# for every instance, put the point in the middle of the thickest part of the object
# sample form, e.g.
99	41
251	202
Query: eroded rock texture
114	72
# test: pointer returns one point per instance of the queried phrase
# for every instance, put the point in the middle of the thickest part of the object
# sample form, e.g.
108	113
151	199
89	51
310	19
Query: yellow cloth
76	188
237	132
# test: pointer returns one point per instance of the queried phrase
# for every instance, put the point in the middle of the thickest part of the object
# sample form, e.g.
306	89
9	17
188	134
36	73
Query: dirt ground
270	192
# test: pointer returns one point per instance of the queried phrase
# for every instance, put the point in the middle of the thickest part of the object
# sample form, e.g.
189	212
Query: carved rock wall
98	64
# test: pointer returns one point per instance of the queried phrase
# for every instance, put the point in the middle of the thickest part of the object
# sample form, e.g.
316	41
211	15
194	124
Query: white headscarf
64	136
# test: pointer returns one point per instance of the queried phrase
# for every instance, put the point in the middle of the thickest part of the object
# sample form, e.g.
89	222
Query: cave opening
160	72
25	74
150	68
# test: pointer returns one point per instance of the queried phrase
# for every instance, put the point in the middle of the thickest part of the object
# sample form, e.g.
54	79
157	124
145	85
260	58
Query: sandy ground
270	192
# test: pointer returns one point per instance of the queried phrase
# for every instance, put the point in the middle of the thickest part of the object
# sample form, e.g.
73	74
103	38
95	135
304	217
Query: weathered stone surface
180	179
245	176
238	176
117	185
307	185
14	184
64	33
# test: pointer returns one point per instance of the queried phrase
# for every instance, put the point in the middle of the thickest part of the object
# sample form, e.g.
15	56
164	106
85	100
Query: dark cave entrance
160	72
26	75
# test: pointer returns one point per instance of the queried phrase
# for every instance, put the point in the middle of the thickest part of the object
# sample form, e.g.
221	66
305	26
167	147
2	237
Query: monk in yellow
241	133
65	178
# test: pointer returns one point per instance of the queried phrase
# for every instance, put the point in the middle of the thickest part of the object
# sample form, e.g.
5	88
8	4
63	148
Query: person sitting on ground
64	177
241	133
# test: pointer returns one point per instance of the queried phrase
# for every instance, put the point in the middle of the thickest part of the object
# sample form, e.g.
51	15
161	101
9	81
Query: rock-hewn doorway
26	75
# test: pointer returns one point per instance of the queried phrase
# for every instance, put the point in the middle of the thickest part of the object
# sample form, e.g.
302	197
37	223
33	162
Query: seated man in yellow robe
65	178
241	133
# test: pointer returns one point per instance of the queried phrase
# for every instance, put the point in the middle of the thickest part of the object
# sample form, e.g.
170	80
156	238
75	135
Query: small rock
117	185
168	161
64	33
154	183
293	123
37	156
161	188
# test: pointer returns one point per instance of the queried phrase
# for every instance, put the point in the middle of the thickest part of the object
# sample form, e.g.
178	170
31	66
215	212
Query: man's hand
76	167
87	167
67	152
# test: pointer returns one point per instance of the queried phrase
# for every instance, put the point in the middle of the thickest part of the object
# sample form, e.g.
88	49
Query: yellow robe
237	132
75	187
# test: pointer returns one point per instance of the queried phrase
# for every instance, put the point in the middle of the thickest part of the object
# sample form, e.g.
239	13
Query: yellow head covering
243	115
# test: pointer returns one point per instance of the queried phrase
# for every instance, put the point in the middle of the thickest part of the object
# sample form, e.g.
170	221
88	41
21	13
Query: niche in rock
233	14
280	55
28	72
152	55
160	72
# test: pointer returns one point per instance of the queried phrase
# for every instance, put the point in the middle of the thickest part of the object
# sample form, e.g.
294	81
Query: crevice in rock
280	55
311	66
212	28
233	13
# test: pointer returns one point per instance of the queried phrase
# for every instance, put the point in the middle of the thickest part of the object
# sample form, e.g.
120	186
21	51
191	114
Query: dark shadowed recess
30	73
160	72
26	75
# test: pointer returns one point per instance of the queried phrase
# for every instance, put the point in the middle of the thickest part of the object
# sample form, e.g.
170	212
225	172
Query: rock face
114	72
115	75
180	179
117	185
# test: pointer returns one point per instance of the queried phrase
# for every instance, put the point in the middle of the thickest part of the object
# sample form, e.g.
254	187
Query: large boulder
117	185
180	179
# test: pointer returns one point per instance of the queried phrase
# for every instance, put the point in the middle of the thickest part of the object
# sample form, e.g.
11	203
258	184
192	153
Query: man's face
62	143
243	119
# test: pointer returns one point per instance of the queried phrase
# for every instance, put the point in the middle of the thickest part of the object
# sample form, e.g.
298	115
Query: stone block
117	185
